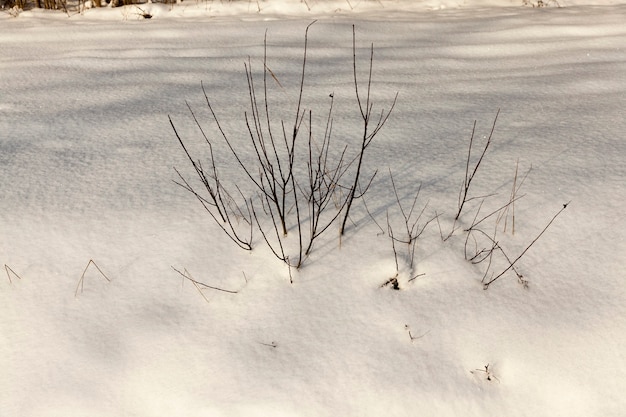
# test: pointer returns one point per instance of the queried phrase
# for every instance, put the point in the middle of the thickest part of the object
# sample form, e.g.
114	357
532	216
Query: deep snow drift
87	157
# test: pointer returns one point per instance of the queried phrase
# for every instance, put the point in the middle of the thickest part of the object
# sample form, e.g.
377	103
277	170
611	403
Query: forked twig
369	130
9	272
471	173
412	231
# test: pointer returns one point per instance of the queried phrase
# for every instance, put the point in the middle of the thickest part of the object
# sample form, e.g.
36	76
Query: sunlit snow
96	321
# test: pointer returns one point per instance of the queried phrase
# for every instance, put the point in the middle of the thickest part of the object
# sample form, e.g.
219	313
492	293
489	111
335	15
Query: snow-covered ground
86	167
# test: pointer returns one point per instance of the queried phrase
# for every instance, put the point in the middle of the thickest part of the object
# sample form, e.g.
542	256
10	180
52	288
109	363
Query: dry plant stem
414	277
200	291
273	176
219	199
486	254
81	282
299	227
489	255
272	183
469	233
514	191
213	189
406	326
278	252
195	284
476	222
393	244
497	211
512	199
369	213
486	286
214	192
469	176
277	182
412	229
9	271
323	183
444	238
369	132
198	284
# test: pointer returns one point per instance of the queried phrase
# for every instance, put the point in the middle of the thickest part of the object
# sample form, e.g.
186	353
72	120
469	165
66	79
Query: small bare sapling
279	197
470	173
412	229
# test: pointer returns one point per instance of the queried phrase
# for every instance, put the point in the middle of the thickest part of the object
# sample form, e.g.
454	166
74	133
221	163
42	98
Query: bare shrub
286	199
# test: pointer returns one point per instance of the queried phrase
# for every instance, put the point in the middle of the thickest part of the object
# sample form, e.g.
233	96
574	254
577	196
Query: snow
86	166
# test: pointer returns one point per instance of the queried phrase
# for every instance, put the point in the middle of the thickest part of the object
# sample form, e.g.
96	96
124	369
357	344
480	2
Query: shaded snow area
121	296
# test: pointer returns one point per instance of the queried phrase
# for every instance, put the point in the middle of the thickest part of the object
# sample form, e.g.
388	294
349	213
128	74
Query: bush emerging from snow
281	198
301	183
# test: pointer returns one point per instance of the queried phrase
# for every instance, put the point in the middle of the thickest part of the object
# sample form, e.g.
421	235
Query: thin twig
365	108
190	278
527	247
469	177
8	269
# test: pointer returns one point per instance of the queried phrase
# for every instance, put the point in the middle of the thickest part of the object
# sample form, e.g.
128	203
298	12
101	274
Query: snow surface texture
87	157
